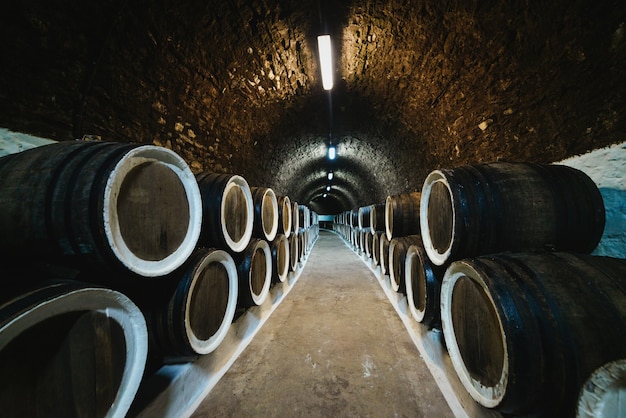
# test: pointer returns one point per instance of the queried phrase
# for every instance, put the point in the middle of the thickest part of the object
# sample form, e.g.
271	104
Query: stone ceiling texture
234	86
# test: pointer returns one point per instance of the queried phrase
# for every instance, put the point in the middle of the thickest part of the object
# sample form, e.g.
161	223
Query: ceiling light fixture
332	152
328	188
325	195
326	64
330	175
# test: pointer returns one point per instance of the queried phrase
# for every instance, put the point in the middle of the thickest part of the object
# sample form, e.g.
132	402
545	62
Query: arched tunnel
235	86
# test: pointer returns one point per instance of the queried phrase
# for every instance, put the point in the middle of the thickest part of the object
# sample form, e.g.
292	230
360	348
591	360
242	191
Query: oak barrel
254	267
525	330
70	349
284	215
265	213
397	256
227	211
280	258
489	208
102	205
194	315
402	215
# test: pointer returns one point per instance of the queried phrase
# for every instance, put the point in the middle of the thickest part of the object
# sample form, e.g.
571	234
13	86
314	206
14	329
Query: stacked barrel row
118	259
497	256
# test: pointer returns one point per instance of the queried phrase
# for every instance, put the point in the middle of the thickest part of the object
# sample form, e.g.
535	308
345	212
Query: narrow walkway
334	347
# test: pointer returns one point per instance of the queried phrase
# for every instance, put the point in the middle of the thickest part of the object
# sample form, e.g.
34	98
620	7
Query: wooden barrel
284	216
304	214
280	258
384	254
100	204
397	256
70	350
227	211
295	217
603	394
368	237
265	225
423	285
489	208
302	243
364	217
194	313
377	217
525	330
402	215
294	251
376	247
254	266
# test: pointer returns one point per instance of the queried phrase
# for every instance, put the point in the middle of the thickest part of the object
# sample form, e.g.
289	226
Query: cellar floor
334	347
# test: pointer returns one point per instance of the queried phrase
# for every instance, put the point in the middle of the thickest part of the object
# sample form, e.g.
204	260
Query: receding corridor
334	347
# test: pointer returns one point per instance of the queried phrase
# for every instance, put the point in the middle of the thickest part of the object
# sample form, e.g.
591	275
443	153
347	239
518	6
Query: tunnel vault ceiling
234	86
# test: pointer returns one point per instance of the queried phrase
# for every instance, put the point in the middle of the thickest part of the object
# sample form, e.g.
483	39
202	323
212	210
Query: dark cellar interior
235	88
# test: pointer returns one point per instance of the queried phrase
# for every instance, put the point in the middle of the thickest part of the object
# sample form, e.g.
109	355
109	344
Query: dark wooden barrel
423	285
364	217
304	214
525	330
402	215
265	224
302	243
397	256
284	216
376	247
254	266
294	251
384	254
368	239
377	217
489	208
102	205
227	211
602	395
295	217
70	350
191	313
280	258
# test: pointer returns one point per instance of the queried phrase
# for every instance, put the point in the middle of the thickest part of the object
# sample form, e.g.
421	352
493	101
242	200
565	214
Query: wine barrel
423	285
254	267
227	211
103	205
194	315
280	258
489	208
284	216
397	256
603	394
294	251
70	350
265	225
402	215
295	217
302	243
525	330
384	254
364	217
377	217
376	247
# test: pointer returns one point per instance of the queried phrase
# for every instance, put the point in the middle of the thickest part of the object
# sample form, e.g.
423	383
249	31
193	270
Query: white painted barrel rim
412	257
110	303
394	286
284	273
389	217
260	298
273	230
435	256
604	392
134	158
207	346
239	182
489	397
287	205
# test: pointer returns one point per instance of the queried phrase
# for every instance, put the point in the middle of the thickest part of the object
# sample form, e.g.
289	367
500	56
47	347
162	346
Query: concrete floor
334	347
